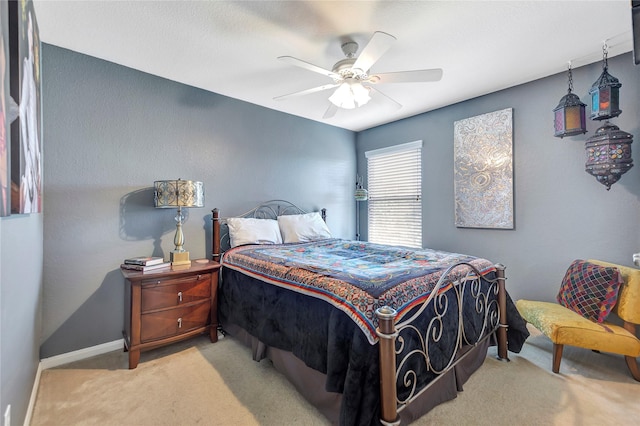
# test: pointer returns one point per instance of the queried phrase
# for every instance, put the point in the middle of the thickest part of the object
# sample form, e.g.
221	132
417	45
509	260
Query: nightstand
169	305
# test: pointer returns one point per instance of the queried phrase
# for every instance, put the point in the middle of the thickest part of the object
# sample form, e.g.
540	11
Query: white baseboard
81	354
34	393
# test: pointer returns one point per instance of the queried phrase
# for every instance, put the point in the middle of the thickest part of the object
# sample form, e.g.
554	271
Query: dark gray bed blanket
327	340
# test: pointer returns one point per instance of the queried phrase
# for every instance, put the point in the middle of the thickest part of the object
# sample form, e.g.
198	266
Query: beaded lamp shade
609	154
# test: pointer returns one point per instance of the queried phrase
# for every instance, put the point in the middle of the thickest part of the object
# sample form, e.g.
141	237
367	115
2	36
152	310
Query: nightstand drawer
171	322
167	293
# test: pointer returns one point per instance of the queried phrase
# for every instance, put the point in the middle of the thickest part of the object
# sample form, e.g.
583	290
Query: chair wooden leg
631	361
633	367
557	357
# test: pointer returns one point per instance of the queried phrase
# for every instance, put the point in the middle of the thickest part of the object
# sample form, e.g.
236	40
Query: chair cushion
565	327
589	289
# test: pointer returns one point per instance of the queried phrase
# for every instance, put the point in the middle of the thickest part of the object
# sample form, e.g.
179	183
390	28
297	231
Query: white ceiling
230	47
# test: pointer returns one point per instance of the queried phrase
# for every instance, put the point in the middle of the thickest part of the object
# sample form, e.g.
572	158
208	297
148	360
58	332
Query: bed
369	334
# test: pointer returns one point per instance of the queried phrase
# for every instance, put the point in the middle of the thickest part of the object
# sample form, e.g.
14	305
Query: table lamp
178	194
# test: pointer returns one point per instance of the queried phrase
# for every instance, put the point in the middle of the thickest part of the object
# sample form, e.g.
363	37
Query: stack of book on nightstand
145	263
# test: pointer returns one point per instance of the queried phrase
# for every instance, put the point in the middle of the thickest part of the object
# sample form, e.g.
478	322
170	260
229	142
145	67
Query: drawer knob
179	322
179	296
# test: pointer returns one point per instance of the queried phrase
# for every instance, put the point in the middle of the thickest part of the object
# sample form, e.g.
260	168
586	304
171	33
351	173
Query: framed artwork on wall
5	172
26	136
483	171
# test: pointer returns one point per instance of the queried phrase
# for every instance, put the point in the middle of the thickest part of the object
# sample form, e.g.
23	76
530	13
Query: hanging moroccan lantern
569	115
609	154
605	93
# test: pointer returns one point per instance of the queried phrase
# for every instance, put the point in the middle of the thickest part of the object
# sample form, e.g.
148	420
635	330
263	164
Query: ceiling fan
351	75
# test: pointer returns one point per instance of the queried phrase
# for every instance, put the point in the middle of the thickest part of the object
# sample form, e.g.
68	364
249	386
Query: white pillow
253	231
298	228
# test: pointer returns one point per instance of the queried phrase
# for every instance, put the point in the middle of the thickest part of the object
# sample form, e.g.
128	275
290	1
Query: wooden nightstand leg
134	358
213	334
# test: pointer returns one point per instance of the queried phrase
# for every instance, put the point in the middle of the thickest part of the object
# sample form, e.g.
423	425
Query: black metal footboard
415	352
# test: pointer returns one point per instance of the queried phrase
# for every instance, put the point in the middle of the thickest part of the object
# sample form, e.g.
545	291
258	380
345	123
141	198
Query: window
395	194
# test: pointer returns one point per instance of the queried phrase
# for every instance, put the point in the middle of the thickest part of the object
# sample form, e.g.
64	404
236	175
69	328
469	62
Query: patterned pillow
589	289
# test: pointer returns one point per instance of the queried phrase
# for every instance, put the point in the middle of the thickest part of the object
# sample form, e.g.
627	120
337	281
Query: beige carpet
199	383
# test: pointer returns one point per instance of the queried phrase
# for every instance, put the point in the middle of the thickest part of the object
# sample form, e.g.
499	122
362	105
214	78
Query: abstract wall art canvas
26	136
483	171
5	172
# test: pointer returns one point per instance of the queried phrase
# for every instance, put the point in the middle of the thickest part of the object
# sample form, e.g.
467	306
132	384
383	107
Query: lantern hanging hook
570	76
605	54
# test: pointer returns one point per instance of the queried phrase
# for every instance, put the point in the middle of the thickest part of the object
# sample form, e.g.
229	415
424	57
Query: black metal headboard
268	210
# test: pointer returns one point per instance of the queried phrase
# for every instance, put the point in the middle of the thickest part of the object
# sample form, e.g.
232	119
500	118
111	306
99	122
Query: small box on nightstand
179	258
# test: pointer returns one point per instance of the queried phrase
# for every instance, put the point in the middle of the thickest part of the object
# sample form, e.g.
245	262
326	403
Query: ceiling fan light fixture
350	74
350	94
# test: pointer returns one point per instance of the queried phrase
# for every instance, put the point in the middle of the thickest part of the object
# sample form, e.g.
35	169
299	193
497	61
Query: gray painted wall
20	310
111	131
561	212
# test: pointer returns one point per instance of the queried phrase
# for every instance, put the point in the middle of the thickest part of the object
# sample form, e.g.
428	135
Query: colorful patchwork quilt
356	277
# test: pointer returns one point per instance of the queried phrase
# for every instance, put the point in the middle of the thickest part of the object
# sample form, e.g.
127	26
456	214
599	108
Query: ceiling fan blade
417	76
397	104
307	92
376	47
306	65
330	112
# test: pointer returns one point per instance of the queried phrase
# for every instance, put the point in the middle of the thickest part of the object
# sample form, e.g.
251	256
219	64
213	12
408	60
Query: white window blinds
394	176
